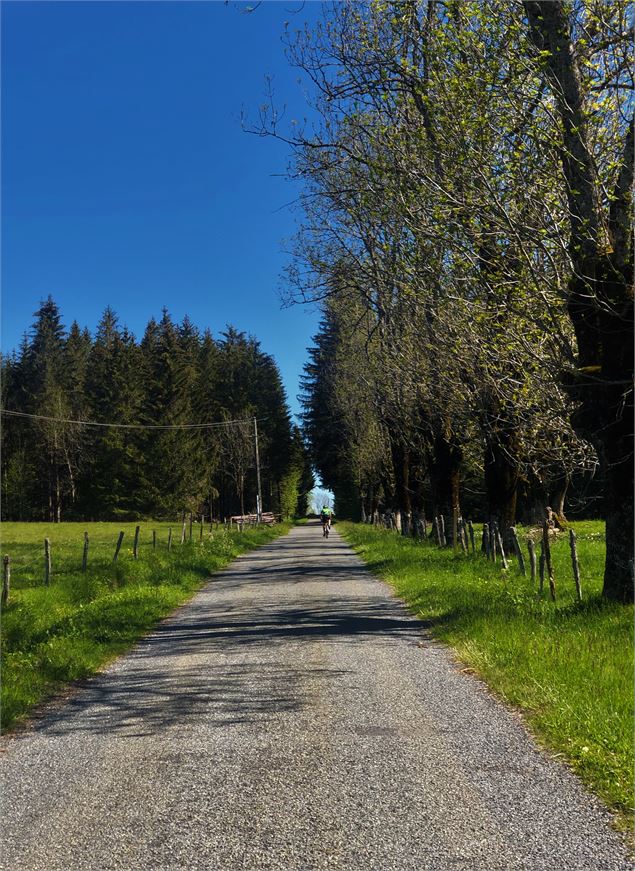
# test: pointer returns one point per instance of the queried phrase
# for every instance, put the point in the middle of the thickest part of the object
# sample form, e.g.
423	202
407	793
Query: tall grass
68	630
568	666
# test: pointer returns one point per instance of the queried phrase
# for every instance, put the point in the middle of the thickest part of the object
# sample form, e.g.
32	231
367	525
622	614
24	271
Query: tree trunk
374	505
401	465
445	476
51	492
532	498
370	503
396	516
558	495
502	476
618	496
71	477
58	496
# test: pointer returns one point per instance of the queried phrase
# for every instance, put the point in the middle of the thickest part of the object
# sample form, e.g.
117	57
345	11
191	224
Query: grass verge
568	666
72	628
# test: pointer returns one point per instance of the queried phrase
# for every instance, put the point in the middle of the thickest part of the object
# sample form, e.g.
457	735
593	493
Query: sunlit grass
68	630
568	665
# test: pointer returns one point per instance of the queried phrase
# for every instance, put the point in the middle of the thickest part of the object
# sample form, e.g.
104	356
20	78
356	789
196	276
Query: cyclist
326	515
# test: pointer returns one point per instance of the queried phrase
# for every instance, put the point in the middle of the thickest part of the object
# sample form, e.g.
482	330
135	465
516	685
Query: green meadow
567	666
55	634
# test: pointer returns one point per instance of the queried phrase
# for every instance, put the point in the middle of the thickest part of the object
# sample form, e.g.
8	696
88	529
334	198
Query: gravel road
292	716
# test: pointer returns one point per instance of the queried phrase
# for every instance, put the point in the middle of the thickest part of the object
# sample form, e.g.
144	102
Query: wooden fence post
471	531
576	565
501	549
541	566
518	551
548	563
135	544
169	539
190	526
85	554
532	559
154	539
405	524
492	541
6	580
460	532
47	561
444	538
118	548
183	530
485	540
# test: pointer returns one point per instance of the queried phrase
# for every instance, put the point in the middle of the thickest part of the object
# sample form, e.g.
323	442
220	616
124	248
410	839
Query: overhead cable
211	425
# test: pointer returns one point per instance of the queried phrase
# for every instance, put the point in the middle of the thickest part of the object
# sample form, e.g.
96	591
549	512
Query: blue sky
127	179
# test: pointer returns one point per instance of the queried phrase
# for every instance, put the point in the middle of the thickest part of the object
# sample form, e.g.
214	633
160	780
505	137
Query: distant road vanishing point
292	716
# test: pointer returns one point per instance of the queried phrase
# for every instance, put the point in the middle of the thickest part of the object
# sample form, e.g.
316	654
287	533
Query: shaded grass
69	630
568	666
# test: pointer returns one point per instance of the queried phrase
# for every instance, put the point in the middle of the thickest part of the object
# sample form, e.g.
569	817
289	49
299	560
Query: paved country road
292	716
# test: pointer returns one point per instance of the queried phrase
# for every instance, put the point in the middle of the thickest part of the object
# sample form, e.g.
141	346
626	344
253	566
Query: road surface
292	716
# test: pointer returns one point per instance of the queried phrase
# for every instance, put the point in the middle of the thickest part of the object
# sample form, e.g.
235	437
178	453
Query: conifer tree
114	389
45	395
206	409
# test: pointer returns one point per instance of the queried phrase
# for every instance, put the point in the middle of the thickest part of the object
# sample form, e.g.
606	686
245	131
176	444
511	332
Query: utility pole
259	496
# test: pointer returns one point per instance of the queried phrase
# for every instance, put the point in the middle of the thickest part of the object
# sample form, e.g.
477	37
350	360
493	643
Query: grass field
568	666
68	630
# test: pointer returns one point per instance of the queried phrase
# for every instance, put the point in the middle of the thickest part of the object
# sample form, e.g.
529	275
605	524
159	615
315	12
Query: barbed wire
211	425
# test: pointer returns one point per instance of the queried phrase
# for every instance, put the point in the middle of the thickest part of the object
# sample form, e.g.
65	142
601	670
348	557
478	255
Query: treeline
53	469
468	234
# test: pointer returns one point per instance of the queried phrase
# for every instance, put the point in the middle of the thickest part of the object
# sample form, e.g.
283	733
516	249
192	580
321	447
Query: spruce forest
55	469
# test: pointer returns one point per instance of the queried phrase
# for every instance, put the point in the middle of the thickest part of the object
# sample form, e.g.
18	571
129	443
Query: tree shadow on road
142	701
240	665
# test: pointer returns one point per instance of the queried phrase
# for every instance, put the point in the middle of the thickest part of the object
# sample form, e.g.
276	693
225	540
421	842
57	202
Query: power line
131	425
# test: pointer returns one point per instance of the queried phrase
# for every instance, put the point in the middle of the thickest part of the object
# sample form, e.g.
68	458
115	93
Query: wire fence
38	554
529	553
